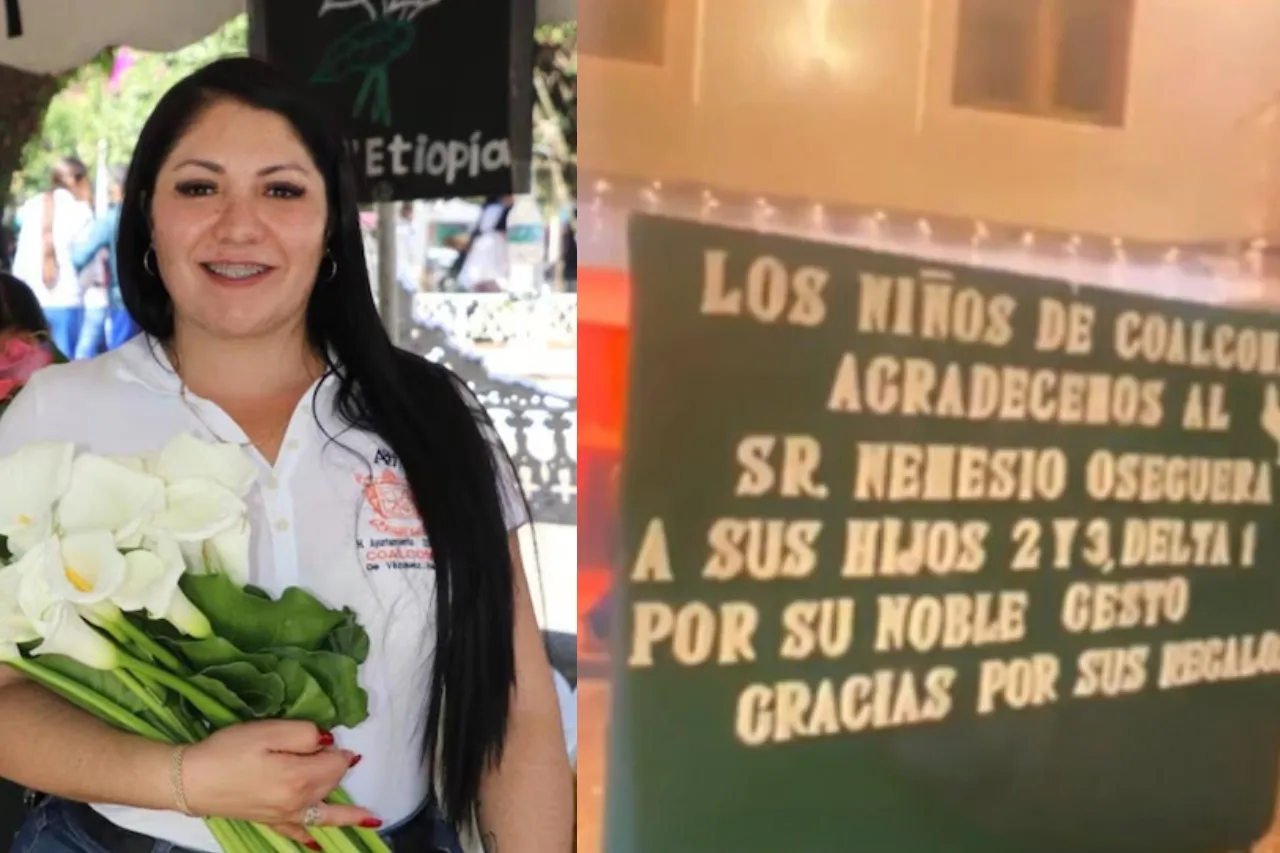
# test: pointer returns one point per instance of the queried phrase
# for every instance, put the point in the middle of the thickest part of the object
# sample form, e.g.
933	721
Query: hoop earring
149	253
333	269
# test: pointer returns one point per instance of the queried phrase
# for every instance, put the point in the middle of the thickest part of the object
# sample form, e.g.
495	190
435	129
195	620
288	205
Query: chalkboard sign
438	92
924	558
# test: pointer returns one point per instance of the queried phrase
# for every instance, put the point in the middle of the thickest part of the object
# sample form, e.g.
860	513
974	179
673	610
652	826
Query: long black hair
421	410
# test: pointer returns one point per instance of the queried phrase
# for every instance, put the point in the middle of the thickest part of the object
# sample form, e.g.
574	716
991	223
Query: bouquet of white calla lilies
124	588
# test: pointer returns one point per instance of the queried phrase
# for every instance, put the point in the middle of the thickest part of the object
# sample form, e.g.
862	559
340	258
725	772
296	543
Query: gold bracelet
175	778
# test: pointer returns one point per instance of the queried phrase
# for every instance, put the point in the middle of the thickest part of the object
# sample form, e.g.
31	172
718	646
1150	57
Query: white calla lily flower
106	495
186	617
69	635
9	652
134	463
15	627
228	552
35	596
186	457
197	510
147	586
91	568
31	482
151	585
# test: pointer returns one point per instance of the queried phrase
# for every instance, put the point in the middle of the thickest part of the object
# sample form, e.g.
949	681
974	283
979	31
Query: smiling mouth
237	272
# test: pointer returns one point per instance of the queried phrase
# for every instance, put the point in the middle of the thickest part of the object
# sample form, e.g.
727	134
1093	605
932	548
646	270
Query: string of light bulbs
1226	271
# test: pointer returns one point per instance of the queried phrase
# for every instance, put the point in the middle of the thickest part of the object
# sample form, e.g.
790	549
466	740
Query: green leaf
339	677
253	624
243	689
304	698
215	651
257	590
335	676
348	639
105	684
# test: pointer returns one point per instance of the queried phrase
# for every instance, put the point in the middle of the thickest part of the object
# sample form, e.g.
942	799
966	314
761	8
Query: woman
483	265
47	225
241	258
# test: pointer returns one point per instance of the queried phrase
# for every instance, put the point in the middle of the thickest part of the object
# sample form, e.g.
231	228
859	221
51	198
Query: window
1059	58
629	30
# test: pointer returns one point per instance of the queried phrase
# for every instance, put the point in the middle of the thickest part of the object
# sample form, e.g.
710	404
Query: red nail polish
314	845
355	759
326	738
371	823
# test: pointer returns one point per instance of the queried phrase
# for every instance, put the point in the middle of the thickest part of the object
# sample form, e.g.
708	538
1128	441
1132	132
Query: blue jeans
92	340
50	829
120	327
64	328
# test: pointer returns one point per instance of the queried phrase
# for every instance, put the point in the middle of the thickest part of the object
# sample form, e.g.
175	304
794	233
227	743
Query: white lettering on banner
1028	507
449	159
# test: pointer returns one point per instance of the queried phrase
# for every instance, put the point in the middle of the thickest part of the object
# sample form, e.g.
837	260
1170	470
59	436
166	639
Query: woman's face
238	221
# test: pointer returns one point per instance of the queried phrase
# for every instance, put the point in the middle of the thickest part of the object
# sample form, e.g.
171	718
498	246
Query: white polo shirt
322	519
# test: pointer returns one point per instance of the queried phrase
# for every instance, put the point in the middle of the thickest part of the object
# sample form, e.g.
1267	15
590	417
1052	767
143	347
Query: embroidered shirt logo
390	531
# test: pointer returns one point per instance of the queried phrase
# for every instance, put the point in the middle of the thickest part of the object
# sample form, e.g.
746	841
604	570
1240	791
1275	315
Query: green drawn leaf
368	45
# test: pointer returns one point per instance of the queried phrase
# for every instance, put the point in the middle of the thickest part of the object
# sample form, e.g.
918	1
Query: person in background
569	249
410	245
24	349
483	266
47	225
116	326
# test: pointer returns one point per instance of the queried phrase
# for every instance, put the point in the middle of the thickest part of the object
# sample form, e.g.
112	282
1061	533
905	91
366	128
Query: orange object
603	342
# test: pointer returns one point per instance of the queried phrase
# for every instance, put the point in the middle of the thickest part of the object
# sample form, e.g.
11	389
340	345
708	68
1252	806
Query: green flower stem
372	840
89	700
155	706
231	837
112	627
334	840
143	641
256	838
217	713
279	844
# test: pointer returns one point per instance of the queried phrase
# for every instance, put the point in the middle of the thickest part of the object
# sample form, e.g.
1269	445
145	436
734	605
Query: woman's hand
271	772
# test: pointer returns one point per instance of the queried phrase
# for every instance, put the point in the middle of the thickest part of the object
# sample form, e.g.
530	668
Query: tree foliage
89	109
555	113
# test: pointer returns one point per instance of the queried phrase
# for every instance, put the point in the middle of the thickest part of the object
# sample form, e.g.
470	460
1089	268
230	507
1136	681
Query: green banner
924	558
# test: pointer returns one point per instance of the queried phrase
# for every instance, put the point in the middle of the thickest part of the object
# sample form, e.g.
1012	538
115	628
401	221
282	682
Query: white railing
549	320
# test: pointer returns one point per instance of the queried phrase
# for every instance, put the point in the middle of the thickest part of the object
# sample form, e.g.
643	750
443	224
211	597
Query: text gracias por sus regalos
934	306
